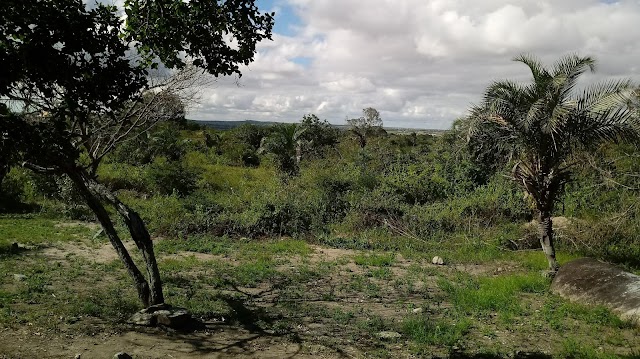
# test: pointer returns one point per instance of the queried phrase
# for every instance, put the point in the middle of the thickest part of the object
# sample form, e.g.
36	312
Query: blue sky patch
302	60
287	21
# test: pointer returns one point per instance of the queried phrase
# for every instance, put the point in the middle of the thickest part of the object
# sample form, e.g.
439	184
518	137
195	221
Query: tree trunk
139	234
546	238
102	215
298	152
4	169
362	140
143	241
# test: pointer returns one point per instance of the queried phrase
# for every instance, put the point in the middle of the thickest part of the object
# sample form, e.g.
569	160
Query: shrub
497	202
12	191
122	176
167	177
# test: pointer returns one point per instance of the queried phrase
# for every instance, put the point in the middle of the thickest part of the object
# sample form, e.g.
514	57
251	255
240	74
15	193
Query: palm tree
541	124
284	143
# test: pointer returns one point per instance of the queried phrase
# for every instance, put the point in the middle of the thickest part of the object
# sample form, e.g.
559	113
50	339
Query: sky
421	63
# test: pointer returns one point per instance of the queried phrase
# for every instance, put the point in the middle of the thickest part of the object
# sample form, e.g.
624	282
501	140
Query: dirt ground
216	340
334	315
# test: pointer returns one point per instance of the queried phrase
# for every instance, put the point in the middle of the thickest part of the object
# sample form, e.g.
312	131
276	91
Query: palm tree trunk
545	227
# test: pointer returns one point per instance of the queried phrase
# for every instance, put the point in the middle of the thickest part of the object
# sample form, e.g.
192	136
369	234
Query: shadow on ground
245	333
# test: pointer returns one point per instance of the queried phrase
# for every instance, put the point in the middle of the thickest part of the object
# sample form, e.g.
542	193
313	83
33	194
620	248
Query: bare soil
328	316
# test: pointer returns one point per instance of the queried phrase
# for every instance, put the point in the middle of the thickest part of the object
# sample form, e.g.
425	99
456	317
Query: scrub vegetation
323	260
299	239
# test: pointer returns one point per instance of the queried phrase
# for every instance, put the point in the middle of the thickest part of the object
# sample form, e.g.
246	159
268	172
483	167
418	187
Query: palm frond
567	70
537	70
557	121
613	124
605	95
572	66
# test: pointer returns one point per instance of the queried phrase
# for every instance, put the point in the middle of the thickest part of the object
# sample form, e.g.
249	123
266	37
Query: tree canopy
75	82
366	125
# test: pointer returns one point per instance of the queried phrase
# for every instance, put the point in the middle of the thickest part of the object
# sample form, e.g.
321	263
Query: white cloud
420	63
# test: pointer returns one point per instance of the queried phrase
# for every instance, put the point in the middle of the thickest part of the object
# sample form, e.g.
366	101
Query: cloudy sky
421	63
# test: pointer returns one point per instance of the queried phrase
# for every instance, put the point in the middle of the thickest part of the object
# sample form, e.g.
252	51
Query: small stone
500	269
437	261
78	356
387	335
417	310
122	355
19	277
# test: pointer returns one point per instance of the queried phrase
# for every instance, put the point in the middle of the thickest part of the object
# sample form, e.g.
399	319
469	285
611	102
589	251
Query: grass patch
492	294
556	311
37	232
572	348
383	273
375	260
426	332
197	243
238	248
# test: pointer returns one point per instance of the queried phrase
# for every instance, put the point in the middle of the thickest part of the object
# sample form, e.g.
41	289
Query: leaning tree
75	82
540	126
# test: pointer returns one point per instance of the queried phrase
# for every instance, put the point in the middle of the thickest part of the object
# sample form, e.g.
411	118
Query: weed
383	273
342	317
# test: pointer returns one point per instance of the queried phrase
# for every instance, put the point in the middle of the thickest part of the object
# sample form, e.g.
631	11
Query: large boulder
590	281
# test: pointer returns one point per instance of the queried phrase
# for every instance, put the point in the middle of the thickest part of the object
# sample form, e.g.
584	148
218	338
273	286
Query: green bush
615	239
166	177
12	191
162	214
122	176
489	205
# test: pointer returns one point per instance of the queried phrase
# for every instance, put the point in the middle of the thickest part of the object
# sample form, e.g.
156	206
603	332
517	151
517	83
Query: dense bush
429	187
167	177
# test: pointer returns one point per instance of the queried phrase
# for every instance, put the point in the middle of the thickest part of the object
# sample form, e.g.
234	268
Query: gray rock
176	318
19	277
417	310
145	319
437	261
122	355
162	314
388	335
589	281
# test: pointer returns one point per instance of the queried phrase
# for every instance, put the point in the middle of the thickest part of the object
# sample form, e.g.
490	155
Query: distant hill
227	125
